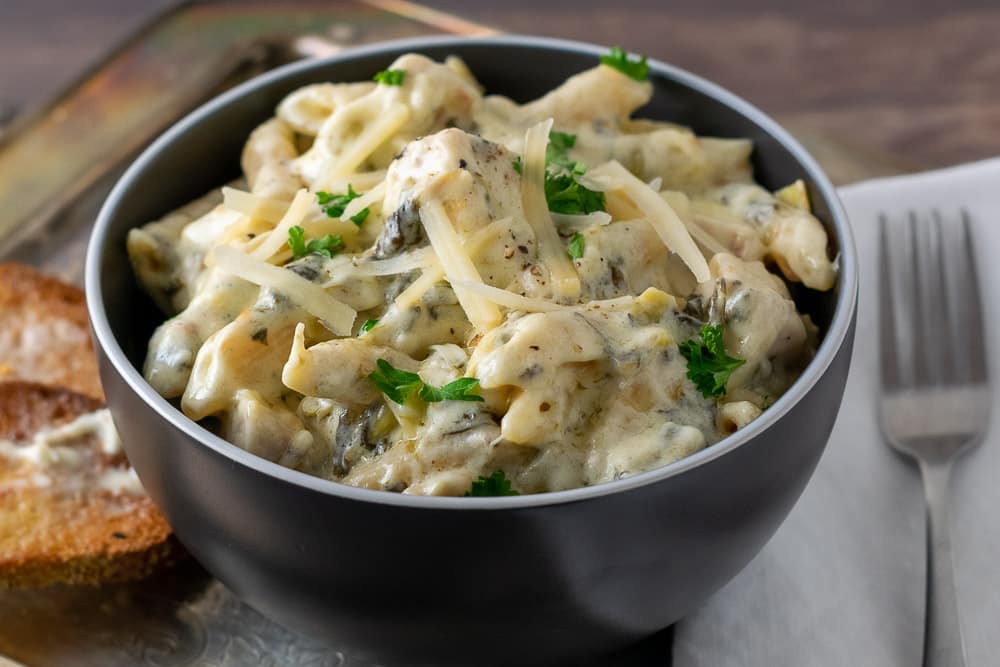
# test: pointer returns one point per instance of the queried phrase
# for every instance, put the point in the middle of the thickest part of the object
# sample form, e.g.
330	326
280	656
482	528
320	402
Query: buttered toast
71	508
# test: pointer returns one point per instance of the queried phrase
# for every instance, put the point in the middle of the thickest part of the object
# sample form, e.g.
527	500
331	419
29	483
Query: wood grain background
914	83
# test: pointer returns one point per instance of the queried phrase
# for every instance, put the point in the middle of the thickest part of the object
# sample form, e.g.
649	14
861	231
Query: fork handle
943	644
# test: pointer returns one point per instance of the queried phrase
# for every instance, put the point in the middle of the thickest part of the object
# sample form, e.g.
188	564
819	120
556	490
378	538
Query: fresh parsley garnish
328	246
708	365
459	390
367	326
334	205
496	484
390	77
563	192
559	143
576	246
396	384
360	217
399	386
617	58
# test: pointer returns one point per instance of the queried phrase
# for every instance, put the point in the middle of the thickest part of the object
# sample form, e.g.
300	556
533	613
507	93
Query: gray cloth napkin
842	581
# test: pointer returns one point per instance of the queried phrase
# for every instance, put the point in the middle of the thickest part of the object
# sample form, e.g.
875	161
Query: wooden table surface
907	84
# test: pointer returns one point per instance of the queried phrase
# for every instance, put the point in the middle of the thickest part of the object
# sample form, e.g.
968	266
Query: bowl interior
202	152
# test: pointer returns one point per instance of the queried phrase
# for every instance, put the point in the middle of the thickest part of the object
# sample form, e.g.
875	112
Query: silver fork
935	398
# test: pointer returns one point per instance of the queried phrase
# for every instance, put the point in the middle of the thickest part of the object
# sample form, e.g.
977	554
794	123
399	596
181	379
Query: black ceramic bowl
528	579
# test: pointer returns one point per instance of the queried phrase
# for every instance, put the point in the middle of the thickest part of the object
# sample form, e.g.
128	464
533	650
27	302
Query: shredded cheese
670	228
651	297
416	290
369	198
435	273
254	206
361	181
595	219
410	261
336	316
206	230
508	299
457	264
277	238
551	251
704	239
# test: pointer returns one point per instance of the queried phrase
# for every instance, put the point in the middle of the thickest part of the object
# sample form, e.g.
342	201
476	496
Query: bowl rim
829	347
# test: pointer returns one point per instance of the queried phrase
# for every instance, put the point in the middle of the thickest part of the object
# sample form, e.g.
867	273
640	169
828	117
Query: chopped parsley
617	58
460	390
399	386
360	217
390	77
559	143
576	246
708	365
328	246
563	192
334	205
367	326
496	484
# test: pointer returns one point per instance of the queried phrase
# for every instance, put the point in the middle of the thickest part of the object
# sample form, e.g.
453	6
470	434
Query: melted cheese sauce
465	273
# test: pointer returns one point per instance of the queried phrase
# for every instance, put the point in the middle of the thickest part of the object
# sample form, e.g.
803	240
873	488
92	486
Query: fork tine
970	320
939	314
886	311
921	359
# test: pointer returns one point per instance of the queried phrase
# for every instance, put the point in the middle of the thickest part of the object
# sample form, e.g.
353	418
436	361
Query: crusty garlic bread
60	519
79	517
44	334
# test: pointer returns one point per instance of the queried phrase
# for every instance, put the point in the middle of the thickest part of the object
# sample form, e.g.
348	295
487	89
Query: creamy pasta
417	287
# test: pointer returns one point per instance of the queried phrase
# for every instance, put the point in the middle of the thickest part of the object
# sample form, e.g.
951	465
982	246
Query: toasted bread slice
44	334
69	508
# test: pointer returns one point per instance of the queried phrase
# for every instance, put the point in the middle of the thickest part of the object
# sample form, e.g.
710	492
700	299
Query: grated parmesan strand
336	316
267	209
551	251
670	228
277	239
457	264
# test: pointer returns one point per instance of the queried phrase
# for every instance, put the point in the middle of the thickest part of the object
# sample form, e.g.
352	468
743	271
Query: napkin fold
842	581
